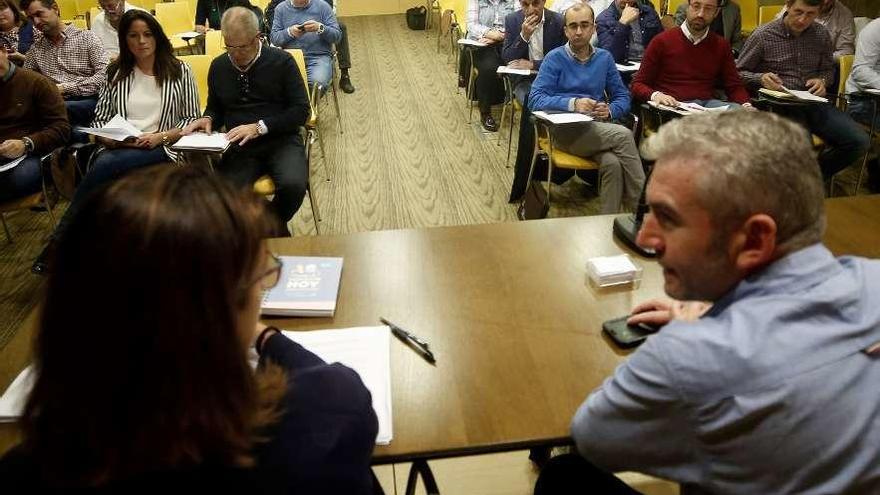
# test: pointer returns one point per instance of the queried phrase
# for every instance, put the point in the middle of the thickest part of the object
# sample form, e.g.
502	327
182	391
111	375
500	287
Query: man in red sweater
690	63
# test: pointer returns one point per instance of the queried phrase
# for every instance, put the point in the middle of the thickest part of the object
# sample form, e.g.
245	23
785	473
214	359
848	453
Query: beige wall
374	7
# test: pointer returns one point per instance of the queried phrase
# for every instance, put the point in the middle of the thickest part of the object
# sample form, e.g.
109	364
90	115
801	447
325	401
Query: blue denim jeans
21	180
319	69
862	109
108	166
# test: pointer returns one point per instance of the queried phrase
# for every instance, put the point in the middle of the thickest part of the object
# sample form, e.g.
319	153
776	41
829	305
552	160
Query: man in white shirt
106	23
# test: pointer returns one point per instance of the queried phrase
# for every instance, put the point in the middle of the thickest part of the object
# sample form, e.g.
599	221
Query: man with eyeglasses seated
256	93
688	63
106	24
727	23
575	78
311	26
840	23
795	52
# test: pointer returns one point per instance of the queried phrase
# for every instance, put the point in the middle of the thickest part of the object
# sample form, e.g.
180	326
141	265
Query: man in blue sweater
575	78
311	26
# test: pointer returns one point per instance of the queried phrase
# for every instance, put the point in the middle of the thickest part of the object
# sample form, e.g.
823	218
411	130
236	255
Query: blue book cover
308	286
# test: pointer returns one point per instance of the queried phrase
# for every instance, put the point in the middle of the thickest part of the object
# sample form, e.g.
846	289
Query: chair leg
6	227
316	215
336	105
510	135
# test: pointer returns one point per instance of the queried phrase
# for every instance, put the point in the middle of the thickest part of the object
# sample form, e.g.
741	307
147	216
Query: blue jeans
21	180
108	166
713	103
845	141
862	109
81	111
319	69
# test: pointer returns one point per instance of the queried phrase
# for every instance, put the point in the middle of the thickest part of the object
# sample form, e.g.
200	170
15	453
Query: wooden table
507	311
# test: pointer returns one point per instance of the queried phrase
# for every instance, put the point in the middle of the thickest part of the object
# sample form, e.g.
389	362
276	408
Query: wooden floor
405	156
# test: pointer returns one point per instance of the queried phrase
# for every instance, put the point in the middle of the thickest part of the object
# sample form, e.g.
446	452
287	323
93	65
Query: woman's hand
149	141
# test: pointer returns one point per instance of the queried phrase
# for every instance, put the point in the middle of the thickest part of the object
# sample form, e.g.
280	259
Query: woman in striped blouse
152	90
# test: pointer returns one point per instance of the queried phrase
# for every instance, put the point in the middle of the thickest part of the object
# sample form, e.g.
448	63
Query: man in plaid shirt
796	53
73	59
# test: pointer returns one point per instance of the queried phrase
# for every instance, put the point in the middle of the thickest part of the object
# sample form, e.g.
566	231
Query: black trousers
282	158
343	55
571	474
488	87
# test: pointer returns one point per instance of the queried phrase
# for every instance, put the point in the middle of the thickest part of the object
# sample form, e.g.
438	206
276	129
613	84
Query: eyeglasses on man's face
707	8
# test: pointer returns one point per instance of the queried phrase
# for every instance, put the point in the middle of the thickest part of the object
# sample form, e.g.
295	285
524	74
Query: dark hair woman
141	357
17	33
151	89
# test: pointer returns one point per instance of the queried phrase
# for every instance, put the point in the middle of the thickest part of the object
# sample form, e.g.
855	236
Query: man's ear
753	245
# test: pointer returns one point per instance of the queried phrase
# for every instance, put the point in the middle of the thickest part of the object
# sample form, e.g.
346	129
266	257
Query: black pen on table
411	340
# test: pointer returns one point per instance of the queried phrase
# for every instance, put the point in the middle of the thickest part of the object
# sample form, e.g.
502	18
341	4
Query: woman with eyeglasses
17	33
153	90
141	358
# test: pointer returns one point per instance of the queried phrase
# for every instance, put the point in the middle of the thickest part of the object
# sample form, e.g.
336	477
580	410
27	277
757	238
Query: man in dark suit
539	31
532	32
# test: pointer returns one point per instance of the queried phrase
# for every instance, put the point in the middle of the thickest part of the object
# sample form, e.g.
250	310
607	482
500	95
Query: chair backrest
845	64
174	17
93	12
767	13
192	9
673	5
150	5
79	23
214	43
300	59
749	14
200	65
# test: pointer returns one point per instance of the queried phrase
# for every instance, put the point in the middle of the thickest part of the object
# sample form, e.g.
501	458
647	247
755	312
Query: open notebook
366	350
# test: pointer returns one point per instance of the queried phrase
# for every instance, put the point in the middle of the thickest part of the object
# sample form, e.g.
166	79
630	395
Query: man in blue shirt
311	26
575	78
771	389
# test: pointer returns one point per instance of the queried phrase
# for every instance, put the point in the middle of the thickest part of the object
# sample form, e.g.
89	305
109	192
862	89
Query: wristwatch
320	28
28	145
165	139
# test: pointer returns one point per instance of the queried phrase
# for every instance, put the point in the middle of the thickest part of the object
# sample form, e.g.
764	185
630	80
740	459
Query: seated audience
598	6
540	30
33	122
575	78
485	23
152	90
839	22
17	33
106	24
865	75
760	390
256	93
311	26
626	28
74	59
343	52
727	23
794	52
690	63
143	382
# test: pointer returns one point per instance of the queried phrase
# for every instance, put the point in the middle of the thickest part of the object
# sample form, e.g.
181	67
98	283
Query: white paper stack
605	271
118	129
563	117
199	141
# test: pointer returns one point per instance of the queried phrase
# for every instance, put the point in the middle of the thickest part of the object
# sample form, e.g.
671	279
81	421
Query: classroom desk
507	311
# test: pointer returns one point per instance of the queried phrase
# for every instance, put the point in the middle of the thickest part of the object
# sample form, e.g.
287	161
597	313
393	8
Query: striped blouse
180	103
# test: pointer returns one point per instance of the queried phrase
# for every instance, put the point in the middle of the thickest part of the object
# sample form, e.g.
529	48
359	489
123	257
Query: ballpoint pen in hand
411	340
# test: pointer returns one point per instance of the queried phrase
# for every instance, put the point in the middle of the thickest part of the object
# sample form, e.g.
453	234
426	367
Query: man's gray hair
750	163
240	19
577	7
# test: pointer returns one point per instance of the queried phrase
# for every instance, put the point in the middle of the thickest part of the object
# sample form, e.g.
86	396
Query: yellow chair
83	6
192	9
767	13
93	12
214	43
749	15
264	184
150	5
199	65
672	6
79	23
545	145
175	19
67	8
